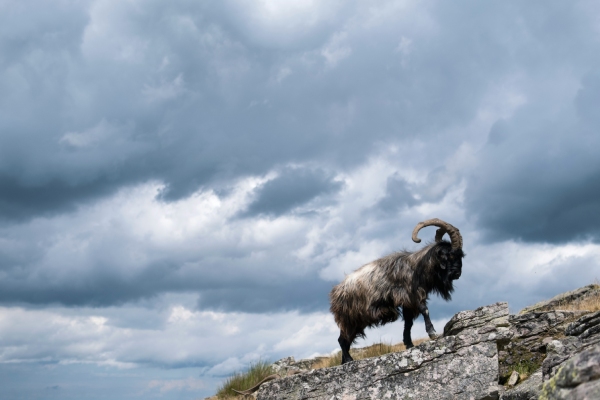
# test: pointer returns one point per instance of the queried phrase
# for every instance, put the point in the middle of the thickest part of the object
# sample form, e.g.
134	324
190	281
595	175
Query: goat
399	284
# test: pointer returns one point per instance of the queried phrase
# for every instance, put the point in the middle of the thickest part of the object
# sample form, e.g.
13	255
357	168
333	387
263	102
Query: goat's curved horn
455	237
439	234
257	386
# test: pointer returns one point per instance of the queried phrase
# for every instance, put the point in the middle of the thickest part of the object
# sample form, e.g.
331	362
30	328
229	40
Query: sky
182	183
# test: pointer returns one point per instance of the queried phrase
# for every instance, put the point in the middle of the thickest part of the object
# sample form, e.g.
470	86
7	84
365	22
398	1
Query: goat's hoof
433	335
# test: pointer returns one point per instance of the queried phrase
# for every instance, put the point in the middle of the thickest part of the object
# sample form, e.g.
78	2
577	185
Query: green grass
255	373
525	368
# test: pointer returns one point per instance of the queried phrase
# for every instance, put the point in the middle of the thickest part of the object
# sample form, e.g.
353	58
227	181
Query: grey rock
529	389
578	378
483	318
286	366
564	298
582	334
530	334
480	348
283	364
542	324
557	352
463	366
514	378
585	326
307	363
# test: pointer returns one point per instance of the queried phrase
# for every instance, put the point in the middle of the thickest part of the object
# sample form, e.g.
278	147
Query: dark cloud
539	181
304	293
225	279
293	187
20	202
484	114
105	97
100	96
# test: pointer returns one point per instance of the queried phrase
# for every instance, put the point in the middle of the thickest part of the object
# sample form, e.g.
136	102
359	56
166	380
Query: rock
282	366
585	326
487	317
530	335
542	324
514	378
581	334
480	348
564	298
307	363
529	389
578	378
463	366
451	368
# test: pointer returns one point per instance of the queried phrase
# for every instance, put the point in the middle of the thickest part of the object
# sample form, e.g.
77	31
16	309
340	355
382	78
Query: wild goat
398	284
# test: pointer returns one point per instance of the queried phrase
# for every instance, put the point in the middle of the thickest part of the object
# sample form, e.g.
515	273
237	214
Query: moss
516	356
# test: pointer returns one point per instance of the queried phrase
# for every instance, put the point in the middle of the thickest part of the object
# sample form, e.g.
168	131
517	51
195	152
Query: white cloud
136	135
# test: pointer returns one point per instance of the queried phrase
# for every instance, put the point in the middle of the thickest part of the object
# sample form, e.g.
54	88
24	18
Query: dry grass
590	303
258	371
244	380
375	350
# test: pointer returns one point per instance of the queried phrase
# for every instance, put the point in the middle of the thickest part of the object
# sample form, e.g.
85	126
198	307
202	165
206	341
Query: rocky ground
544	352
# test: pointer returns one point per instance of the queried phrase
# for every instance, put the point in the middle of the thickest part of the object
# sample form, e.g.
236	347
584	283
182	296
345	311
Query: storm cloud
538	180
290	189
181	183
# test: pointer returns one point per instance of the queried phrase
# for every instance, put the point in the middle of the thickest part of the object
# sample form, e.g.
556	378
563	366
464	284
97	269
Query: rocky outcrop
578	379
582	334
529	336
495	315
461	366
484	354
557	301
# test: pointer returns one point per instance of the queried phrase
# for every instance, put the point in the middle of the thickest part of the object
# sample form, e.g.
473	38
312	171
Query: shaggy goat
398	284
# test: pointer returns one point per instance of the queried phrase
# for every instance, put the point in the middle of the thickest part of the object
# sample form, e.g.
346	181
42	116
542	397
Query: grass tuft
255	373
525	368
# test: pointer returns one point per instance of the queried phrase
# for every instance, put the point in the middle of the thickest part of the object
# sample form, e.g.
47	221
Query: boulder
529	389
585	326
577	379
463	366
492	316
581	335
541	353
514	378
529	336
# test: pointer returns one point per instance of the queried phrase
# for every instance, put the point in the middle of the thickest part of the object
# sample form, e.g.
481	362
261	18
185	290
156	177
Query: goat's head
450	257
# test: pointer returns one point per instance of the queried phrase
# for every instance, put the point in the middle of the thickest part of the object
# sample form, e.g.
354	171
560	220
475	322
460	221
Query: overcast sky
182	182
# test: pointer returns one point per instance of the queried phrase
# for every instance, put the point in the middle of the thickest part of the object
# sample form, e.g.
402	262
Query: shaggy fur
396	285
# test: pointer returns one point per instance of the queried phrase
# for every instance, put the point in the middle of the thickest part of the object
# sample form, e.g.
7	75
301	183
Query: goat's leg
409	317
345	343
428	325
